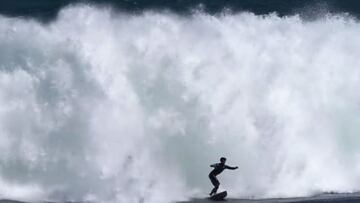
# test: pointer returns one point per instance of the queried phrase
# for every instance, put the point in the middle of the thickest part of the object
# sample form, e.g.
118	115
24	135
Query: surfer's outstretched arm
232	168
213	165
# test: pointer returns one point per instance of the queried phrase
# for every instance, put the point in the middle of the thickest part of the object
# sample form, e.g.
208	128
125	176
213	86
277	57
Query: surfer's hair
222	159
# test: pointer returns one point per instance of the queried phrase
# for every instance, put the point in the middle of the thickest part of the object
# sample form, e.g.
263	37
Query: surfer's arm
231	168
213	165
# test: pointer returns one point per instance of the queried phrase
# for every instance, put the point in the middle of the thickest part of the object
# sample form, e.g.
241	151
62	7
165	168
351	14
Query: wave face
106	106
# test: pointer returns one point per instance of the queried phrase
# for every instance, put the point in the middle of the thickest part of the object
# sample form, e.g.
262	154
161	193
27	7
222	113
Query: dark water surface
47	10
323	198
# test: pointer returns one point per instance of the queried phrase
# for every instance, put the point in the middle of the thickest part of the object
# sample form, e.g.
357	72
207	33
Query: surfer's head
223	160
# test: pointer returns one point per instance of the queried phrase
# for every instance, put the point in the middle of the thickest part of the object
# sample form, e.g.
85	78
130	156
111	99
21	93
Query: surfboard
219	196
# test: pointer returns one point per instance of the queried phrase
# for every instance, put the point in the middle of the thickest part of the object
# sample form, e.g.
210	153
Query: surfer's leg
216	184
213	181
214	190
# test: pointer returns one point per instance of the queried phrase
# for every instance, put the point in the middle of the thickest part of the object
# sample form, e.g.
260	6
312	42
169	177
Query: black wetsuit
218	168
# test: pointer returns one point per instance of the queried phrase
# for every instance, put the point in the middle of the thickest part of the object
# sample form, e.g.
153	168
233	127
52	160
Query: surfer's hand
236	167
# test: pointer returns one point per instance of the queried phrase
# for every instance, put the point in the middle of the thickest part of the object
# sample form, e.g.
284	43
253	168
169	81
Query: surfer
218	168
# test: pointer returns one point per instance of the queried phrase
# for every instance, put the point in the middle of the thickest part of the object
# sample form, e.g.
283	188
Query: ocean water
131	101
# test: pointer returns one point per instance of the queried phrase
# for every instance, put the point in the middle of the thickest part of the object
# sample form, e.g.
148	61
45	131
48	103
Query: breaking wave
106	106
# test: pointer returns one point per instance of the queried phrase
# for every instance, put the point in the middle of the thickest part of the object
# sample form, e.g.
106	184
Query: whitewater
107	106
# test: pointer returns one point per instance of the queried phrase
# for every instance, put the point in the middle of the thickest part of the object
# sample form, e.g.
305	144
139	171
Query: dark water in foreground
323	198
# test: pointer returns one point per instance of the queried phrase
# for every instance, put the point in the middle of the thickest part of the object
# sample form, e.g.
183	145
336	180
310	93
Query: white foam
108	106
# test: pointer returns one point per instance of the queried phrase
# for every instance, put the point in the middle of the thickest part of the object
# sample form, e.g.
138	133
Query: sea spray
106	106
